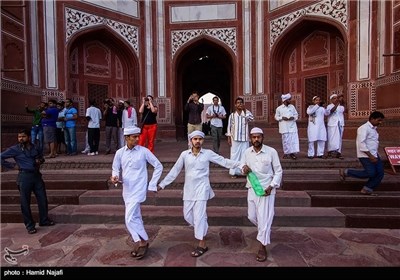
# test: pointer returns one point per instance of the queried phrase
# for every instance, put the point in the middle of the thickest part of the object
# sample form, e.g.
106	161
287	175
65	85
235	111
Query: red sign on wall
393	155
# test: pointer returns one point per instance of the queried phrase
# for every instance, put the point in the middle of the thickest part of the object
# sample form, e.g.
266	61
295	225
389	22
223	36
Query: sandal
140	252
342	175
32	231
367	192
262	255
199	251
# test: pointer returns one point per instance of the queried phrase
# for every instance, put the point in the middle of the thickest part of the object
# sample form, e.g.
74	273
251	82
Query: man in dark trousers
28	159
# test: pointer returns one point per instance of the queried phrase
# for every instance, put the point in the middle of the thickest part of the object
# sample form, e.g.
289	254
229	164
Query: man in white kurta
264	162
286	114
335	113
238	133
316	130
197	189
131	161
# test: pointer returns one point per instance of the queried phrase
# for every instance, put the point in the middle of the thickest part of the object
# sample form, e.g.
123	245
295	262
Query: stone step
174	198
354	199
11	213
222	216
293	179
357	217
56	197
163	198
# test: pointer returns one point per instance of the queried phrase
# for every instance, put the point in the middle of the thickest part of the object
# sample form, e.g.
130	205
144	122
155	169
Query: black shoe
49	223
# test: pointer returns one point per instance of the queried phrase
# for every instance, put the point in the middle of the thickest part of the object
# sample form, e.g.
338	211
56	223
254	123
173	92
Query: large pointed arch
204	65
123	79
295	39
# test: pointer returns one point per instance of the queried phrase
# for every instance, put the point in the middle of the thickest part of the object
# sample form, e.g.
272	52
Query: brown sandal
262	255
140	252
199	251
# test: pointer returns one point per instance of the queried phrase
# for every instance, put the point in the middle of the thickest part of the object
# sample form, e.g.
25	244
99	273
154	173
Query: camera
146	99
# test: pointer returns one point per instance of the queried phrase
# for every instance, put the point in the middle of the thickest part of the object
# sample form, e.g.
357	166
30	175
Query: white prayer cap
121	101
131	130
196	133
256	130
286	96
332	96
315	97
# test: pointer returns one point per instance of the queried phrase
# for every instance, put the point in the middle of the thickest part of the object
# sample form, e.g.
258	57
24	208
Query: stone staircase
311	196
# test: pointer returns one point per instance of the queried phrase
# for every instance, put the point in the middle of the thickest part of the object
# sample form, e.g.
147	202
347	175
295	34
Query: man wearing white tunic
197	189
129	118
131	161
264	162
335	113
286	114
316	130
238	133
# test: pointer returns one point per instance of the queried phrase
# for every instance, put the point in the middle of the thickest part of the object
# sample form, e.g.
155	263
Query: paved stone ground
108	245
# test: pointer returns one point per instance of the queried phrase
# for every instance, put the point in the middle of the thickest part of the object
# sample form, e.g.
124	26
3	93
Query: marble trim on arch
353	89
181	37
332	9
77	20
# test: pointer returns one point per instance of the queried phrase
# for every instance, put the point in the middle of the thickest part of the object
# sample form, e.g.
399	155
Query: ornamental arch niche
206	67
308	59
101	65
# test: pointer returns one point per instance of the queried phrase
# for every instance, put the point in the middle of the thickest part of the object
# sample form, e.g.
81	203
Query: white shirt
95	116
129	122
220	111
134	171
266	165
238	125
288	112
316	129
336	117
197	173
367	140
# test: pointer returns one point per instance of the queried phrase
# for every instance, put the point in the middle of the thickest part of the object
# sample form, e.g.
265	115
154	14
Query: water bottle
255	183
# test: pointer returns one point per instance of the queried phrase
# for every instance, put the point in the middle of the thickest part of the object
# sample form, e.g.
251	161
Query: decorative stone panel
332	9
354	88
76	20
181	37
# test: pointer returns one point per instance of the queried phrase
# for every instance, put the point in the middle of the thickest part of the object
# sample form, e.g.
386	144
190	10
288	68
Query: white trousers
237	151
335	136
290	143
134	222
320	148
195	214
261	213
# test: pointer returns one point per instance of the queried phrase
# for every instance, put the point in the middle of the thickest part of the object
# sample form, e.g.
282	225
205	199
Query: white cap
131	130
332	96
121	101
286	96
256	130
196	133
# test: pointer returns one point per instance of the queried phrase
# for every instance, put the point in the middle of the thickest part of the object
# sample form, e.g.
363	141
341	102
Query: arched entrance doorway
206	67
100	66
309	60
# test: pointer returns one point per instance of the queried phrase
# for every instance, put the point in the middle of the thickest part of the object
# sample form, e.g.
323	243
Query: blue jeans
373	171
37	132
70	139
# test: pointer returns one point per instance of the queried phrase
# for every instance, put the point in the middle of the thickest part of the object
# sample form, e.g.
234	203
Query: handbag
142	122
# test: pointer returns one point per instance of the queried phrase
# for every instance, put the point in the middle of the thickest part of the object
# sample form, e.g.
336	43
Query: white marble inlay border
225	35
333	9
211	12
76	20
34	44
50	44
127	7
